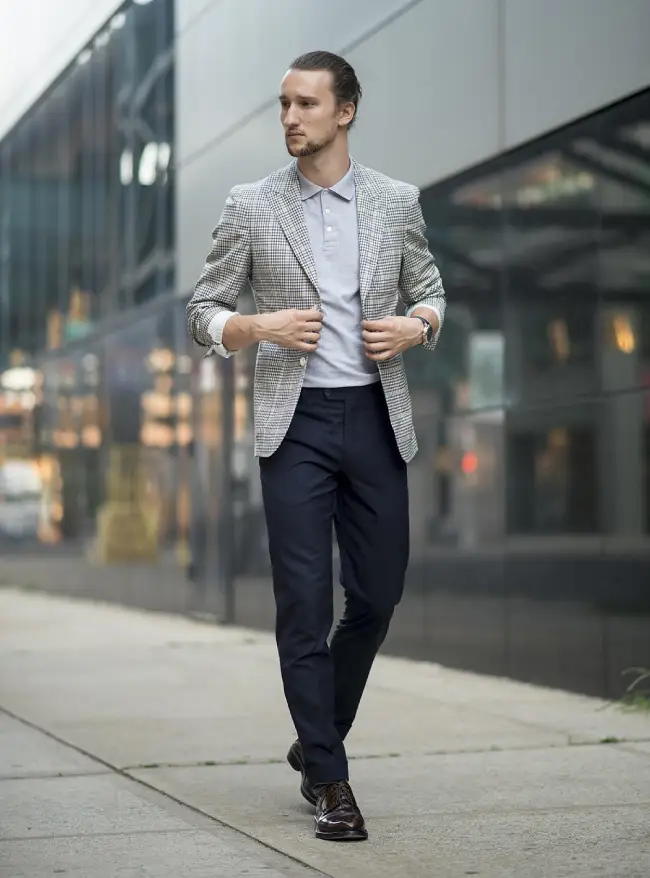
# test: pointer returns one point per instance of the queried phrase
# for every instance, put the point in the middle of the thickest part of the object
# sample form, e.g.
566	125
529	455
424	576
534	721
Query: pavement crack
167	795
364	757
54	775
107	834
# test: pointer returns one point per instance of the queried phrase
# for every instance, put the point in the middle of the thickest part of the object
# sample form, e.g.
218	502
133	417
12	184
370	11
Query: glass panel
528	413
85	228
553	470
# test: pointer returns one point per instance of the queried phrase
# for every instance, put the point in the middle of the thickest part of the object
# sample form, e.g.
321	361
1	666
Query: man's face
309	111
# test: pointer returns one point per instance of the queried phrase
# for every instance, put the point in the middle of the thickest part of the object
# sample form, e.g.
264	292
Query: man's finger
313	326
375	336
381	355
376	325
312	315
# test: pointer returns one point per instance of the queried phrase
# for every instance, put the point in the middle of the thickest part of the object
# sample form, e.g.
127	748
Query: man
328	246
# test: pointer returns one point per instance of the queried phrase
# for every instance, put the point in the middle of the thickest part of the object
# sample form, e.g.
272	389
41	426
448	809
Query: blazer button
303	361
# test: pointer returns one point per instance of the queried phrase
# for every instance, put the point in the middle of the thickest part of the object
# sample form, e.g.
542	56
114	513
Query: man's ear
348	112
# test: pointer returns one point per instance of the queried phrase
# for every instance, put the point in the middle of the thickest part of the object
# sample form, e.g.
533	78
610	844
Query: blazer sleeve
420	281
226	272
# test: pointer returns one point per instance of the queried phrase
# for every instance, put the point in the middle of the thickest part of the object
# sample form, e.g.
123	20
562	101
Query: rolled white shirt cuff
215	331
430	308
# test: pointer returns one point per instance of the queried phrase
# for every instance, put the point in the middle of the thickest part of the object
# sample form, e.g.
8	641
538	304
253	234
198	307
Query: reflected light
91	437
157	405
164	384
18	379
161	360
184	434
141	2
118	21
469	463
65	439
155	157
148	165
164	155
126	168
102	39
84	57
623	334
184	405
157	435
558	437
558	334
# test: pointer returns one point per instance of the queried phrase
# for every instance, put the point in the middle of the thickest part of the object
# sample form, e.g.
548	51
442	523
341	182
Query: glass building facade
91	375
86	216
126	462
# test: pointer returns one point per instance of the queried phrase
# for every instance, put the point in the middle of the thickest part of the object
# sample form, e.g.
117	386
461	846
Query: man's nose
291	117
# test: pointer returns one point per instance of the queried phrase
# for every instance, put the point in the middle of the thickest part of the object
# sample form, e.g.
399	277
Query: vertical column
621	450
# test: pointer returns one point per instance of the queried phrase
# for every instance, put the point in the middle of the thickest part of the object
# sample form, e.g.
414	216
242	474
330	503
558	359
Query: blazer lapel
287	206
371	220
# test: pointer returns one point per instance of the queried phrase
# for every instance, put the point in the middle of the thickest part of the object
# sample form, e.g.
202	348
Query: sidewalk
144	744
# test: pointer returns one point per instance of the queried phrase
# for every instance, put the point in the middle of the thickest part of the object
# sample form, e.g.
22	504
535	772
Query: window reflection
86	230
87	173
545	254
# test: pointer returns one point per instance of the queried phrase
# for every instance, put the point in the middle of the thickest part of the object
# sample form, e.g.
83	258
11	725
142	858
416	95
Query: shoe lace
341	794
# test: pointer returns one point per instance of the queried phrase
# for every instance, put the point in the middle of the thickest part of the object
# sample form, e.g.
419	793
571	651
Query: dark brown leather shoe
338	817
297	762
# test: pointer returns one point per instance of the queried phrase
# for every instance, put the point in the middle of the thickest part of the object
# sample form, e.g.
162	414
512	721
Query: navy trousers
338	468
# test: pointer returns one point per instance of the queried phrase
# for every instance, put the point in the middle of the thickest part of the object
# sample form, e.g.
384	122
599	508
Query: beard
310	147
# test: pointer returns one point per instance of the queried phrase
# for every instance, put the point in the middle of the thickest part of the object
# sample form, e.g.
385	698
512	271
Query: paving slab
25	752
457	774
418	807
163	855
53	806
582	719
409	726
640	747
112	826
32	620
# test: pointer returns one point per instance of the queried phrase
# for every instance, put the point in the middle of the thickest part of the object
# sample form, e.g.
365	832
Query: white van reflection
21	498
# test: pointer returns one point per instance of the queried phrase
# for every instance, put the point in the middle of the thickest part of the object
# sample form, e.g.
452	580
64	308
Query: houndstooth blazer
262	238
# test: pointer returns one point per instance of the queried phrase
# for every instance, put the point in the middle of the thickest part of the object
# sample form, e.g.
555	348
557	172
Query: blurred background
126	466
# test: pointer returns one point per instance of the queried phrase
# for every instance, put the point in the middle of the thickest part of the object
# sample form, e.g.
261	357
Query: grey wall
565	58
38	39
447	84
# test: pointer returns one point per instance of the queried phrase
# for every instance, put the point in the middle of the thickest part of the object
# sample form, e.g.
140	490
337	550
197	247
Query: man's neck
325	169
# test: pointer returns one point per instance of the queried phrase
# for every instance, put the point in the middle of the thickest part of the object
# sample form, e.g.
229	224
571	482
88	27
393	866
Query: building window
87	187
545	251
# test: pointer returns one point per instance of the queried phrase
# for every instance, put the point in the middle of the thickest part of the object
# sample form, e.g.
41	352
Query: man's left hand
390	336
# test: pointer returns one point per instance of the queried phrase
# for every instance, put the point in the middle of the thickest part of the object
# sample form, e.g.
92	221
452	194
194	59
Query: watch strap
428	329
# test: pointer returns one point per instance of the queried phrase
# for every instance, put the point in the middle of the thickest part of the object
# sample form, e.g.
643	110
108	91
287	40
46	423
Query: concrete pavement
144	744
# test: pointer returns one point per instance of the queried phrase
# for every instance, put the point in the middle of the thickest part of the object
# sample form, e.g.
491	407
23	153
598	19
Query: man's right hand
292	328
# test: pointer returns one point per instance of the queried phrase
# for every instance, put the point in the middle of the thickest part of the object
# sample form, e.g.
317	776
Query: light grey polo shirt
331	217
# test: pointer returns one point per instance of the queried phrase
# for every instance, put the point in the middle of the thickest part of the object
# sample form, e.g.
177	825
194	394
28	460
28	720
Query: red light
469	463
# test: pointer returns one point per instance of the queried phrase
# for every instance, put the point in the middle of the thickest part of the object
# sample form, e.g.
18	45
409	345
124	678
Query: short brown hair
347	88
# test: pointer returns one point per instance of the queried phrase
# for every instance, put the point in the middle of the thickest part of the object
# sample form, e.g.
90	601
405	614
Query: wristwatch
427	334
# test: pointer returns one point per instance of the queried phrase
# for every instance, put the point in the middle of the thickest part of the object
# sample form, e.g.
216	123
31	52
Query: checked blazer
262	239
